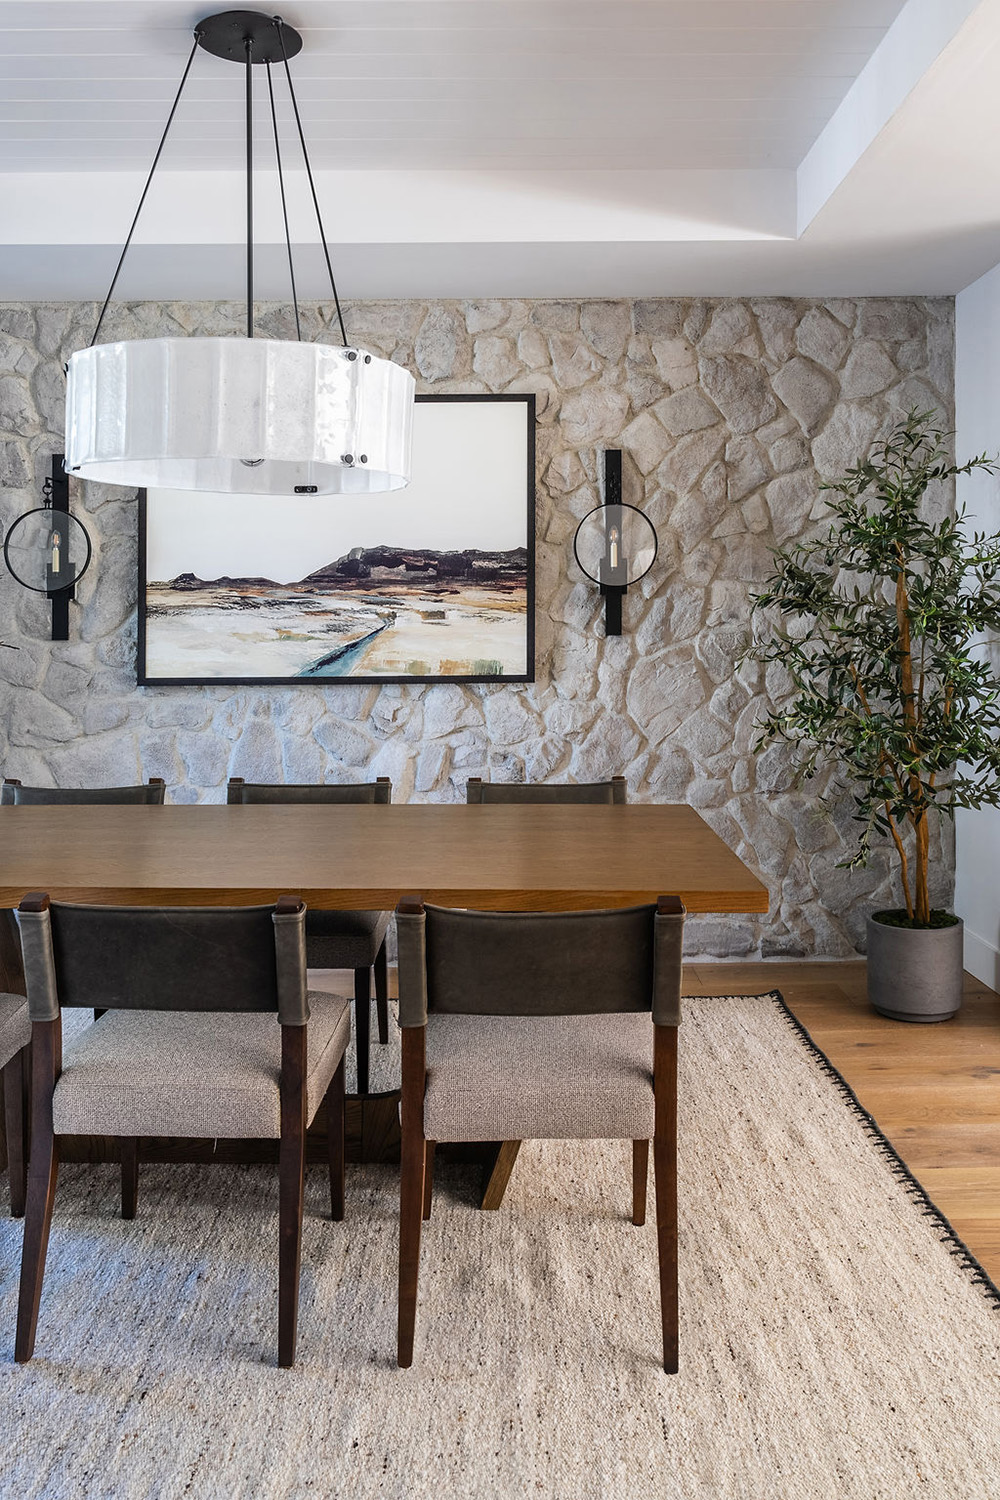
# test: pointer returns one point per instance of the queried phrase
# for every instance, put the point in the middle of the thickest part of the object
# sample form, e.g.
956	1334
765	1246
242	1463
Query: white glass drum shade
239	415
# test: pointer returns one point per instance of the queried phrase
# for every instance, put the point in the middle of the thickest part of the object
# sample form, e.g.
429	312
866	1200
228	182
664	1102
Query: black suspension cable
248	44
156	158
284	206
312	186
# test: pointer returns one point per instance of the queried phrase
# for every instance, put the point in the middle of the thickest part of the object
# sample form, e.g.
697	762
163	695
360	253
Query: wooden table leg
497	1173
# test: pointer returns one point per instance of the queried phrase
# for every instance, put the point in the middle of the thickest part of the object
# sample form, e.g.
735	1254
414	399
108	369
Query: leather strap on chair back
668	961
39	969
13	793
171	958
242	792
290	957
411	948
607	792
540	963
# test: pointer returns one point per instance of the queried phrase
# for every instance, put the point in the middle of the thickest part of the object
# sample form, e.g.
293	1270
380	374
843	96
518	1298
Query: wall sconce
48	550
615	544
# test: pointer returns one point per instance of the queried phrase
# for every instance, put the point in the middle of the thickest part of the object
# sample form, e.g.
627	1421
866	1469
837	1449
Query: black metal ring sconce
615	544
48	550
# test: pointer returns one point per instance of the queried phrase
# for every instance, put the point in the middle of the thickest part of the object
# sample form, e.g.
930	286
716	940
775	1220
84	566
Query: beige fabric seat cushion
516	1078
15	1028
212	1073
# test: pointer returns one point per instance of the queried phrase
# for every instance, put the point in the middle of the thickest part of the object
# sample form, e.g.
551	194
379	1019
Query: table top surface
499	857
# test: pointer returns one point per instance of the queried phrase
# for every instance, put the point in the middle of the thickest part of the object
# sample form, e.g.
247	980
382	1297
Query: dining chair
15	1034
13	794
613	792
341	939
539	1025
187	1046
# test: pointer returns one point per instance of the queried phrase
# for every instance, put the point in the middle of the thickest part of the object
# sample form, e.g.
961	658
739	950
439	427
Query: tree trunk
922	900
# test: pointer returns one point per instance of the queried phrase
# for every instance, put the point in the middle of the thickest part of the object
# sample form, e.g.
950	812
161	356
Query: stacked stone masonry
733	412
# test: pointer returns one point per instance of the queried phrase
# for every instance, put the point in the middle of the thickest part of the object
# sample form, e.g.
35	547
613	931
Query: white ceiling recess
499	147
443	84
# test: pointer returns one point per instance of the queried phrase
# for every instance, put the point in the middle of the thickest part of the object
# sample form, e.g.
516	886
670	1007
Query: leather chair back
613	791
239	791
540	963
164	958
13	794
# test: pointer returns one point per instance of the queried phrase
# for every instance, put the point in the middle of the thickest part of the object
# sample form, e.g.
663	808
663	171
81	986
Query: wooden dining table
502	857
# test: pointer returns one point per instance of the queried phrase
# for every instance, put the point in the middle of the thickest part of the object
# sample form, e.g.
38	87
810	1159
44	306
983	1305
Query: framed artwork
431	583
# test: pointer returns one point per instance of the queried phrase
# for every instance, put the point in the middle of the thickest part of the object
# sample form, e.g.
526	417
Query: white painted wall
977	420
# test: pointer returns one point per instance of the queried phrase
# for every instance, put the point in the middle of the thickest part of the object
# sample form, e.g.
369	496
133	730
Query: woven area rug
835	1343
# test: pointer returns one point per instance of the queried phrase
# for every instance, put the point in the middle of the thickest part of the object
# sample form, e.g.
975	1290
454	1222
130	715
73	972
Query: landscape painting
432	582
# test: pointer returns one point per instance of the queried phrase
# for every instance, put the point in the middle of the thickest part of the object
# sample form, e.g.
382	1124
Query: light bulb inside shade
181	413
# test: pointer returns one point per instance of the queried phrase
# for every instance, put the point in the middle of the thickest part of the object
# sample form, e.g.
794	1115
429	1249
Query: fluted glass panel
252	416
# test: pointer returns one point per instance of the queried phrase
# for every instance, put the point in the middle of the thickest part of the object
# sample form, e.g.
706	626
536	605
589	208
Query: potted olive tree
875	622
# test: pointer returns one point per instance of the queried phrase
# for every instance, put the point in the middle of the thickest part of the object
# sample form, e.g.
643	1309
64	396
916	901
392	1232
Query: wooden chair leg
380	969
362	1024
497	1174
14	1096
411	1187
42	1173
129	1151
665	1180
291	1182
335	1141
640	1173
429	1147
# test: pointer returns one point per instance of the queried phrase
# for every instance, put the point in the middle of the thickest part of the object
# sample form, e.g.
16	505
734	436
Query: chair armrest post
35	922
411	937
289	918
668	940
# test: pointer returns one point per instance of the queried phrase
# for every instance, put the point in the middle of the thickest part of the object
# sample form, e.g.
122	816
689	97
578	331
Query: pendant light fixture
243	415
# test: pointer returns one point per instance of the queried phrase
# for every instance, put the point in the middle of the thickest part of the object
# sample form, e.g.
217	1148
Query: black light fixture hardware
48	550
615	544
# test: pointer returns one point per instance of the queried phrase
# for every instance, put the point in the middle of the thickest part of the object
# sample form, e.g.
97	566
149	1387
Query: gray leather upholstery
242	792
334	939
345	939
290	967
142	1073
39	965
13	794
411	949
668	947
15	1026
539	963
165	958
613	791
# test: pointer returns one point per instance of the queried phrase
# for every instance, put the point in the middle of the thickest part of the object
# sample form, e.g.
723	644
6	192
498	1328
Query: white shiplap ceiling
443	84
499	147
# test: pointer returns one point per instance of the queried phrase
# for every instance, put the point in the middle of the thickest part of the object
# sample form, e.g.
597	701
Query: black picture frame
145	679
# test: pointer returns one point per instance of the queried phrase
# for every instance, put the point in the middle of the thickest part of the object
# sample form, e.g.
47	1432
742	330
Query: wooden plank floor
934	1090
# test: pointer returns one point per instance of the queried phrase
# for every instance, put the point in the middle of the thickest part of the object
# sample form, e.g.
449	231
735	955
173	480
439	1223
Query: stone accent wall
732	410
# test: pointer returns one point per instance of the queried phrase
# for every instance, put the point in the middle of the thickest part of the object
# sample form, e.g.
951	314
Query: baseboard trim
982	959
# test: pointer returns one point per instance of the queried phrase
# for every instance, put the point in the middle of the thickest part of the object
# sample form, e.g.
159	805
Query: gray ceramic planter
915	975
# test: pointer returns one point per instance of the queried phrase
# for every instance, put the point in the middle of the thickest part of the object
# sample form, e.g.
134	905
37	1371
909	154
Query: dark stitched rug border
897	1166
